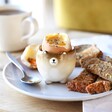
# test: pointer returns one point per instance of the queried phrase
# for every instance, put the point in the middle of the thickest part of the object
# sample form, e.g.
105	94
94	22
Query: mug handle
33	30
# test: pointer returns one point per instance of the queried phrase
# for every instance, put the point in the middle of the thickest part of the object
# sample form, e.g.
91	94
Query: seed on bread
97	66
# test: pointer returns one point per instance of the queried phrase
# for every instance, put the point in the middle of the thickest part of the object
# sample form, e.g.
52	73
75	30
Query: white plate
54	91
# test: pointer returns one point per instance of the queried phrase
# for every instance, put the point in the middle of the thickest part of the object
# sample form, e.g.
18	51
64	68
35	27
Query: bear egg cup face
55	67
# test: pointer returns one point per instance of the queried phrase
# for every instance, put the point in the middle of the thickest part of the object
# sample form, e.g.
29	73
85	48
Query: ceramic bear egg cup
55	67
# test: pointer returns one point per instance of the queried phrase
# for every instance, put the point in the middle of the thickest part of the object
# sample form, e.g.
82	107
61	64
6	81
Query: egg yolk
55	40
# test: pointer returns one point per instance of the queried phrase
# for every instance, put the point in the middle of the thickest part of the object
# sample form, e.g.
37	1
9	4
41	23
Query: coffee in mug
12	28
11	12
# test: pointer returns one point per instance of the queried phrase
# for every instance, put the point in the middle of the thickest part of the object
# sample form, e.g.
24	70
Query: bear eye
53	61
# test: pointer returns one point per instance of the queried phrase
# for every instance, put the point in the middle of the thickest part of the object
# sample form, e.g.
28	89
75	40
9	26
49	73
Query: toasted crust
99	67
86	50
99	87
80	83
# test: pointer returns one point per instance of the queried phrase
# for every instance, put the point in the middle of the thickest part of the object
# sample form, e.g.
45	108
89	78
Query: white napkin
103	104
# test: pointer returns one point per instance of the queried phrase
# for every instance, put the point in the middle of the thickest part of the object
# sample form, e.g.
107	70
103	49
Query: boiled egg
28	56
56	43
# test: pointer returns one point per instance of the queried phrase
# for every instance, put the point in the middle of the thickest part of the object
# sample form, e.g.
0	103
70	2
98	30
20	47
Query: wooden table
13	101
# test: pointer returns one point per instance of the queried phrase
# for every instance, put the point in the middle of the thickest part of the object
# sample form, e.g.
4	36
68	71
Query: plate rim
85	98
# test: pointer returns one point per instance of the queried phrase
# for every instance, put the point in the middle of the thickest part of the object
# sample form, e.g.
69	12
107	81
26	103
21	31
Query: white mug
13	33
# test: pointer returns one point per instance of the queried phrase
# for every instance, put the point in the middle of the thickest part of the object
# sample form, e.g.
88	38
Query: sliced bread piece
86	50
100	86
98	67
80	83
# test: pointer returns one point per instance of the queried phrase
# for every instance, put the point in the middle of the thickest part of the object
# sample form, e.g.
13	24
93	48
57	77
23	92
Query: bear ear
41	52
44	52
73	47
62	55
64	52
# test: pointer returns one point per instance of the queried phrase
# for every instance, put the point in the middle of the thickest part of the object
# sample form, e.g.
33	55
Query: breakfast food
87	50
53	56
51	66
99	86
99	67
56	59
56	43
80	83
90	83
28	57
